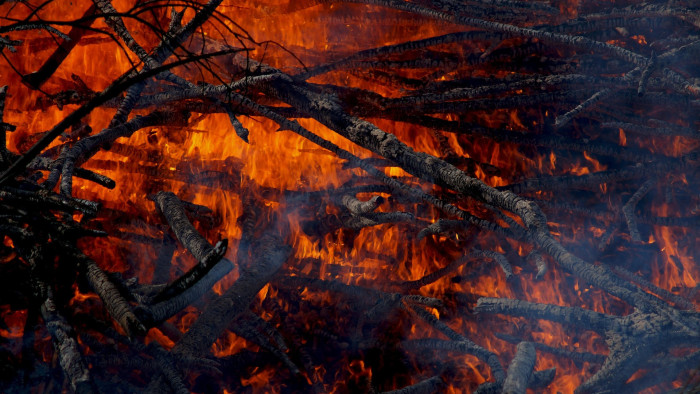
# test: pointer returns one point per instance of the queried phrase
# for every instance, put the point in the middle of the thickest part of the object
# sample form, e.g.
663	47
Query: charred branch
648	70
632	340
270	254
455	265
661	372
49	200
357	207
520	369
66	347
377	218
166	365
431	385
576	356
87	147
578	42
200	248
636	171
457	343
37	78
576	316
249	327
538	380
154	314
171	40
679	301
4	127
113	300
629	208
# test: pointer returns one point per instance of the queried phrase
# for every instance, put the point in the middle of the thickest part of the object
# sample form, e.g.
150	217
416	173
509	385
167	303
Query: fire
80	297
204	163
640	39
552	160
14	322
229	345
623	138
259	381
162	339
7	241
675	267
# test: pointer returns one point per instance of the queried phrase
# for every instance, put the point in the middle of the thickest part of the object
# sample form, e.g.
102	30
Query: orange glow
260	381
596	164
80	297
552	161
675	266
623	138
7	241
229	344
158	336
15	321
640	39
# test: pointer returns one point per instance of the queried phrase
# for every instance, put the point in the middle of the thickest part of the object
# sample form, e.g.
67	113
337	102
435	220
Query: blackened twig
648	70
630	205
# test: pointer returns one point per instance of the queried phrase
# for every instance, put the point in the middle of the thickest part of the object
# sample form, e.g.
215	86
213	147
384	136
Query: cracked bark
66	347
113	301
520	369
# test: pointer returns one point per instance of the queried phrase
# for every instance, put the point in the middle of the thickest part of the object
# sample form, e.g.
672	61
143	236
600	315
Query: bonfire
365	196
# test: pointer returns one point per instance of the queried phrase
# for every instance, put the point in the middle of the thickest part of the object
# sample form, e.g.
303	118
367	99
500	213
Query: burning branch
200	248
66	347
